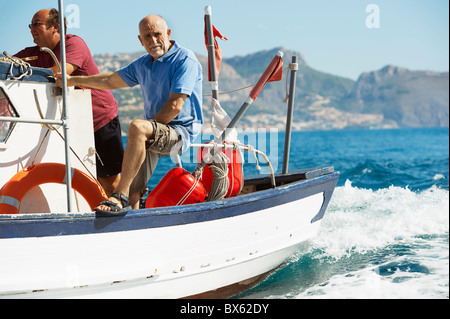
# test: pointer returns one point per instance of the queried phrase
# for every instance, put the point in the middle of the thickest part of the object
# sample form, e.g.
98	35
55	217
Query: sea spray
388	243
360	220
396	239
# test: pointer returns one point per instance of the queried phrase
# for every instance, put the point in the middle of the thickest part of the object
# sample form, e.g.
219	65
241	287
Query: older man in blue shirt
170	77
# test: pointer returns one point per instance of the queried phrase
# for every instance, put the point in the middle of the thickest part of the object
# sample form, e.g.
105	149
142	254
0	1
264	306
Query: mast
65	111
269	73
211	54
287	139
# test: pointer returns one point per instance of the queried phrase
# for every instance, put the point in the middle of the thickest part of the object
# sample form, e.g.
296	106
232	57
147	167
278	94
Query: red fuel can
178	187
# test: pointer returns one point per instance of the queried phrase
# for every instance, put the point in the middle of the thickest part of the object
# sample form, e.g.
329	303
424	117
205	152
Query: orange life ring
15	189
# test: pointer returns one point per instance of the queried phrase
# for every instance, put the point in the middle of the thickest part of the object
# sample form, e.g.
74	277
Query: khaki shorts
165	142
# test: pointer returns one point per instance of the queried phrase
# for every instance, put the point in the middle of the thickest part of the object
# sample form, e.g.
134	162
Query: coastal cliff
387	98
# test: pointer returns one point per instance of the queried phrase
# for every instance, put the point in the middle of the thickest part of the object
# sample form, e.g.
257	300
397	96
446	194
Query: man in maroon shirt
108	140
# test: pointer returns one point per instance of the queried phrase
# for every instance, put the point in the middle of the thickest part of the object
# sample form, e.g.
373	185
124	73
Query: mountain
314	90
390	97
407	98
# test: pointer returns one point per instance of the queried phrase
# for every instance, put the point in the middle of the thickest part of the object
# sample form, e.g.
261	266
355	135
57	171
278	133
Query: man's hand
58	77
171	109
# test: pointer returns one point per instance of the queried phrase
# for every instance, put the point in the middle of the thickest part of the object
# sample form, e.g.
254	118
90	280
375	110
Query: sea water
385	233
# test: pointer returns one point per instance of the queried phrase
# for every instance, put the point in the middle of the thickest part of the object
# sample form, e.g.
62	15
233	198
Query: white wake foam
359	220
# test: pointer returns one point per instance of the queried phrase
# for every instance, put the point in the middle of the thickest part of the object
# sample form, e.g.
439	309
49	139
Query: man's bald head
154	35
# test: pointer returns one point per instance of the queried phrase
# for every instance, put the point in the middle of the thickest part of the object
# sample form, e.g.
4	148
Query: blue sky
331	34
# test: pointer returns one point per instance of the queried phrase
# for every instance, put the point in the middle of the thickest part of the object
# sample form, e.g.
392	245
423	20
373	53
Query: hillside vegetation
386	98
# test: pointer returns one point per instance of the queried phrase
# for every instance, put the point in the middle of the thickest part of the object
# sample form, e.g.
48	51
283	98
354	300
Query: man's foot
116	204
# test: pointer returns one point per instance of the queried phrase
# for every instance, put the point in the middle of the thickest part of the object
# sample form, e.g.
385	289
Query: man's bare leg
138	133
109	183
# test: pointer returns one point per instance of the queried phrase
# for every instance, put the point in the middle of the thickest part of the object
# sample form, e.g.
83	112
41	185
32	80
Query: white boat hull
165	262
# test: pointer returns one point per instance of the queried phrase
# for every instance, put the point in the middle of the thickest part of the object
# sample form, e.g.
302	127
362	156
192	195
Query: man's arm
70	68
105	81
171	109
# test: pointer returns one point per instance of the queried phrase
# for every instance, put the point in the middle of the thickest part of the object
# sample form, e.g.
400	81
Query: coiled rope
24	67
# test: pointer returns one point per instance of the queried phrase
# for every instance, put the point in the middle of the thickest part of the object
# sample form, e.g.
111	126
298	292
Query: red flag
274	72
217	49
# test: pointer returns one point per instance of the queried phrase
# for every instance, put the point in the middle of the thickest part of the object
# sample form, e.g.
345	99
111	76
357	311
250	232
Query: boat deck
257	183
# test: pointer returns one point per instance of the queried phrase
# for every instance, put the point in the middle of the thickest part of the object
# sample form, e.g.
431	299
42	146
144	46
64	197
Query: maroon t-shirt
104	106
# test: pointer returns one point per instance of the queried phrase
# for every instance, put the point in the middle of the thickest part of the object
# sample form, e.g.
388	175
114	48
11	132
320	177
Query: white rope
242	88
247	148
24	67
292	66
188	193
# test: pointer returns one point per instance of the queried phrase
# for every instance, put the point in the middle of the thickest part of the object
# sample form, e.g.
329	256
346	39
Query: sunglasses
35	24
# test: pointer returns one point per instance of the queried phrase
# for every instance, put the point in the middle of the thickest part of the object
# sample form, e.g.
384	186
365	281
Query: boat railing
31	120
64	121
27	71
247	148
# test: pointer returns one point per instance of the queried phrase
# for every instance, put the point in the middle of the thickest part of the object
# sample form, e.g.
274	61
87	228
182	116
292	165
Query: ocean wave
379	174
403	277
361	220
385	233
389	243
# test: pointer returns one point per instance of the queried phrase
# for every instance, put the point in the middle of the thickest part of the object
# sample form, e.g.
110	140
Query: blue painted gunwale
43	225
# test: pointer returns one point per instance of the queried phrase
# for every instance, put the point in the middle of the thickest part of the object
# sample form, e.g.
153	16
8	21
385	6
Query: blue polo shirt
177	71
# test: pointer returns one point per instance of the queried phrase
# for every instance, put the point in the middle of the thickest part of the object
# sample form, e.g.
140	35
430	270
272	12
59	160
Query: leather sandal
116	209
